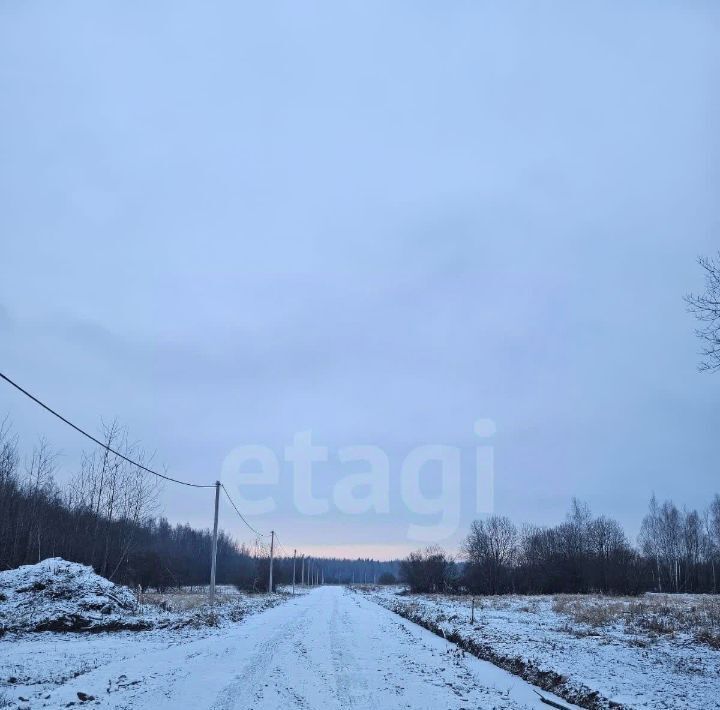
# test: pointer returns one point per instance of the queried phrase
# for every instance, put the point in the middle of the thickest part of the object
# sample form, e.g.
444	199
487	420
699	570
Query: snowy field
656	651
69	638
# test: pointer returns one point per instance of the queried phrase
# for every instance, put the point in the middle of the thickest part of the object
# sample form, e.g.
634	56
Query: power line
240	515
285	552
278	544
100	443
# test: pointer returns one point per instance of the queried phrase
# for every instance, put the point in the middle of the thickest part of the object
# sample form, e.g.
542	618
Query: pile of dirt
57	595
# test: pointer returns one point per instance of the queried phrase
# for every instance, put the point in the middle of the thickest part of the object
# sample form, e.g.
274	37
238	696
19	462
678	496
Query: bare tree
490	549
39	484
118	495
692	546
649	540
706	308
9	463
712	532
670	531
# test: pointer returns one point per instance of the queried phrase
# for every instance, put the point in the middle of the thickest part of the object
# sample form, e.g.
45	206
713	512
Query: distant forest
106	517
678	551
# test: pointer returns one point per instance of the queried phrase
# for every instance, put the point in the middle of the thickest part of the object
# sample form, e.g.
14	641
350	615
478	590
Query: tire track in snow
259	667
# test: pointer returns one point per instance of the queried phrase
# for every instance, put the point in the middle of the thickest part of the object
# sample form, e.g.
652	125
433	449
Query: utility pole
294	557
302	571
272	550
213	564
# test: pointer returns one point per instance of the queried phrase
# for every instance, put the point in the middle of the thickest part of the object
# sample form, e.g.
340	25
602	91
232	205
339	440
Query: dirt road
328	649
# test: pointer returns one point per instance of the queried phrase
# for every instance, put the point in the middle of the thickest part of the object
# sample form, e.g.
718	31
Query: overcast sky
224	223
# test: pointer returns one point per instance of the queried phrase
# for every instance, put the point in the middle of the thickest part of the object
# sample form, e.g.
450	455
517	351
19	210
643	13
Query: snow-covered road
327	649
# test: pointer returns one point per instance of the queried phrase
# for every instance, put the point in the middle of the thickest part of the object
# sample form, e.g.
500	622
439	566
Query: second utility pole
294	558
272	550
213	564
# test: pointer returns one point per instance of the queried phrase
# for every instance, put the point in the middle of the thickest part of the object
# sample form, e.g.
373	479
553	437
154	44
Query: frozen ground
653	652
325	650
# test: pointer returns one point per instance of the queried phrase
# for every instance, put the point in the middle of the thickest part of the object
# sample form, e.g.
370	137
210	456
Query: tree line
106	516
677	551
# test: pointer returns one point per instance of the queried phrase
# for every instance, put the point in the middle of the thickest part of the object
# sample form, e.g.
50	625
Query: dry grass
187	598
592	611
174	602
531	606
708	638
653	614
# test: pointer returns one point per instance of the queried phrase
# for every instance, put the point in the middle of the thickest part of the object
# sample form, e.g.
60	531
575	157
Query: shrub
429	570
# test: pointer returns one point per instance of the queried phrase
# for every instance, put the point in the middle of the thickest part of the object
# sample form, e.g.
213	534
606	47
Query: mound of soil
57	595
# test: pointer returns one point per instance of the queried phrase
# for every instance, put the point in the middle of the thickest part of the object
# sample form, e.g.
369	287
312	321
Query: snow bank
57	595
